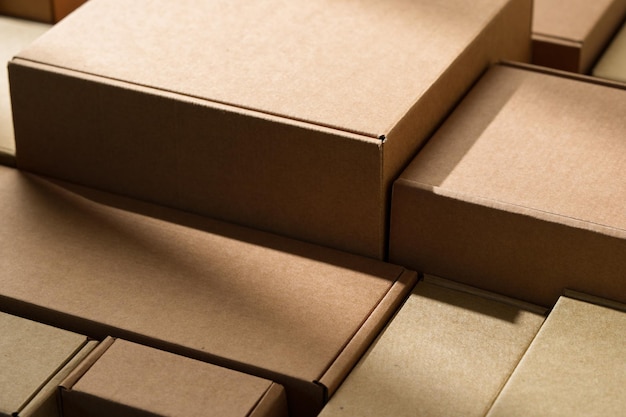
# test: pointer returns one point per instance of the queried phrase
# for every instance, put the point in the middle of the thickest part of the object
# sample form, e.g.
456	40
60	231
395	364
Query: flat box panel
521	190
288	117
47	11
612	63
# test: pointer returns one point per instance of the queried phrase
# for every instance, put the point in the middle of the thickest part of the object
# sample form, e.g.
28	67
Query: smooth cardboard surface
447	352
521	190
46	11
292	118
575	366
270	306
570	34
612	63
129	378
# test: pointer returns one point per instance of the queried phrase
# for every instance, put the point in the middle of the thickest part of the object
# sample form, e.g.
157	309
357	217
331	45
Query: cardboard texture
570	34
34	358
612	63
46	11
575	366
288	117
447	352
15	34
283	310
521	190
128	379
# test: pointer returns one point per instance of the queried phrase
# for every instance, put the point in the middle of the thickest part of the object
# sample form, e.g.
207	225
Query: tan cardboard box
448	352
125	379
570	34
612	63
291	117
521	191
287	311
34	359
575	366
48	11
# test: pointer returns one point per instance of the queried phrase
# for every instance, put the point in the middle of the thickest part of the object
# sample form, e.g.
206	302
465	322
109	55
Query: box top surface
536	143
612	63
353	65
167	384
30	354
571	20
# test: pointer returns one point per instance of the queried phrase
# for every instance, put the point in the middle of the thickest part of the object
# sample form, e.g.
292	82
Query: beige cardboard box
48	11
291	117
570	34
612	63
125	379
521	191
448	352
34	359
575	367
277	308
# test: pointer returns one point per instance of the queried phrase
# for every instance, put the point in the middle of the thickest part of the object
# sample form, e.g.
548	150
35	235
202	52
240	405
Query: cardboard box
447	352
521	190
612	63
34	359
125	379
575	366
48	11
291	312
290	117
570	34
15	34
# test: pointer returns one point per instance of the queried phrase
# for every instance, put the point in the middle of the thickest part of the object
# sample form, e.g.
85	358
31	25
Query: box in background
47	11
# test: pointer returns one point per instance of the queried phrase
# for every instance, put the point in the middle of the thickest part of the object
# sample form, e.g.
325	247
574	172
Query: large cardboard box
291	117
612	63
287	311
521	191
34	359
575	366
47	11
448	352
570	34
125	379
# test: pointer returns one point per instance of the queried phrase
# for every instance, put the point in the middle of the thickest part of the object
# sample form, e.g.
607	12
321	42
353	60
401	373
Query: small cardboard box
569	35
125	379
521	191
612	63
287	311
34	359
575	366
447	352
290	117
48	11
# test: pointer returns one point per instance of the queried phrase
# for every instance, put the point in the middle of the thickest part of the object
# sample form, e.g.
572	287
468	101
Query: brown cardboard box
125	379
34	359
284	310
448	352
521	190
48	11
570	34
612	63
291	117
575	366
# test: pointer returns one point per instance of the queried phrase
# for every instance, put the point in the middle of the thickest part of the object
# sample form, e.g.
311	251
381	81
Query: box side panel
39	10
272	404
602	33
62	8
556	53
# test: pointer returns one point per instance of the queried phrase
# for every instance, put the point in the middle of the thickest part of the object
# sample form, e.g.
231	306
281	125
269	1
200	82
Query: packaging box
612	63
287	311
289	117
448	352
521	190
34	359
47	11
575	366
570	34
125	379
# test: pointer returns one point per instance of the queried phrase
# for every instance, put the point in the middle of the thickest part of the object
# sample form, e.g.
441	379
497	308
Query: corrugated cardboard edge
87	363
592	299
369	330
273	403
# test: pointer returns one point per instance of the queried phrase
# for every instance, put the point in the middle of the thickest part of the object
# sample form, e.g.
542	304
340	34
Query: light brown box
575	367
125	379
48	11
612	63
34	359
569	35
448	352
521	190
287	311
288	117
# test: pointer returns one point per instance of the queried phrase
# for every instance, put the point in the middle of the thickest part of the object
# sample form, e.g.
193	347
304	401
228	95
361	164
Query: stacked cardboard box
612	63
48	11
